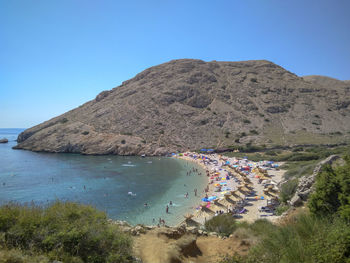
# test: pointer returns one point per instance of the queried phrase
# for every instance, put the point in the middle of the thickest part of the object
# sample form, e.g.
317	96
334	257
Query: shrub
332	192
64	120
246	121
123	141
85	133
298	149
17	256
223	224
64	231
255	132
307	239
288	189
126	133
281	209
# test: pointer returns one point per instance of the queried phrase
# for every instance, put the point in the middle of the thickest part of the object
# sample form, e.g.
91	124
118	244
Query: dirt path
157	247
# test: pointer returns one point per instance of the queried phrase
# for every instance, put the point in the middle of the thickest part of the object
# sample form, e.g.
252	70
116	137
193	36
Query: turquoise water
102	181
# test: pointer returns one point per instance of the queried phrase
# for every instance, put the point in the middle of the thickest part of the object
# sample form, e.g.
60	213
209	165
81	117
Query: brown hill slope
326	81
190	104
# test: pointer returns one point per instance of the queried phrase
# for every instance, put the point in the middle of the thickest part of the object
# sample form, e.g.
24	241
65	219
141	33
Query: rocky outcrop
305	185
171	232
4	140
191	104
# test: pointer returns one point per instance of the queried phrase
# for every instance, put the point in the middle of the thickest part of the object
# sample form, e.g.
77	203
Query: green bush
64	120
306	239
303	157
63	231
332	192
254	132
223	224
309	239
17	256
281	209
288	189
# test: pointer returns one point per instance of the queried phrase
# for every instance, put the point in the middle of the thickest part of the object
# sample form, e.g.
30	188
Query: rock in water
4	140
190	104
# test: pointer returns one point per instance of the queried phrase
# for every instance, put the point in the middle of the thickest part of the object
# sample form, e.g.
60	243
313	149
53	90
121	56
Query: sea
118	185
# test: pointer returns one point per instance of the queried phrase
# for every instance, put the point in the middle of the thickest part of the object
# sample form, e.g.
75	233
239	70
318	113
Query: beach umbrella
189	221
227	202
188	216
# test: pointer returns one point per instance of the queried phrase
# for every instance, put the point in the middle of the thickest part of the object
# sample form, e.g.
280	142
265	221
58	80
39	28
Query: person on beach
167	209
186	195
171	203
195	192
145	205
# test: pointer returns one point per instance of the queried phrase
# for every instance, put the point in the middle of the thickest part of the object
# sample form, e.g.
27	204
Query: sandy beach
246	189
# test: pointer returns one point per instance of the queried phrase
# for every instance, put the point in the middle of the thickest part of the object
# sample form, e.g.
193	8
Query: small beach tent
203	150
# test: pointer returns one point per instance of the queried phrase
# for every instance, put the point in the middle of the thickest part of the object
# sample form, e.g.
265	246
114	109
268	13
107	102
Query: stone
213	234
4	140
296	201
192	229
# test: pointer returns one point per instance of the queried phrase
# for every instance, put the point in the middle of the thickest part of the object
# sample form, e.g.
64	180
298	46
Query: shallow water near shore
102	181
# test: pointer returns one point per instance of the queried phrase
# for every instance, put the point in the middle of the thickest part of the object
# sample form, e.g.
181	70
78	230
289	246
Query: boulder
4	140
296	201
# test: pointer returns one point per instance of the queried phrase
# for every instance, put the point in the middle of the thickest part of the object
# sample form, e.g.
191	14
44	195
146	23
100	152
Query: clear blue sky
57	54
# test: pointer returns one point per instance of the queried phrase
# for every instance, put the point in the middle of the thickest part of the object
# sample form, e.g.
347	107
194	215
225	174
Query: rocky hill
191	104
